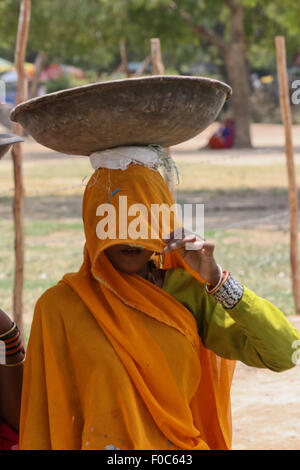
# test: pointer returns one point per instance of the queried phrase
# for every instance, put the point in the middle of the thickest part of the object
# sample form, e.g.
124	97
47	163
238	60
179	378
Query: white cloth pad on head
119	158
151	156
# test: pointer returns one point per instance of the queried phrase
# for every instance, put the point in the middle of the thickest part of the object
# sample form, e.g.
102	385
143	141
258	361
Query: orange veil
113	359
195	416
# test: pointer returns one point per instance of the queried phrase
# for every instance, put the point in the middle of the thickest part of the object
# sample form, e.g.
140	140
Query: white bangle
220	280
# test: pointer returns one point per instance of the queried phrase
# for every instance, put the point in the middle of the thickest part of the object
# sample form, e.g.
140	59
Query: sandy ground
265	405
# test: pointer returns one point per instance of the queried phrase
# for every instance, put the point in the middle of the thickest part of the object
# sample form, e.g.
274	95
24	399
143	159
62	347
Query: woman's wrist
216	281
16	360
12	350
216	278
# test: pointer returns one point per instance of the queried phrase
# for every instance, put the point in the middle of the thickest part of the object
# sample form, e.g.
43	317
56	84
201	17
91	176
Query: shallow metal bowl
162	109
6	141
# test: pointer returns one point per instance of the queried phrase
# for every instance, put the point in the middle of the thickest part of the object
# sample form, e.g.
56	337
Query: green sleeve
254	332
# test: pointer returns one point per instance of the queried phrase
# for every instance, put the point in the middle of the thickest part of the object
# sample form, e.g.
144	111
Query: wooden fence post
124	62
292	185
39	64
157	63
18	203
159	69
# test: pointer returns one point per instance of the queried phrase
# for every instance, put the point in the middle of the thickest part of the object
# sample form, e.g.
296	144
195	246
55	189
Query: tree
233	53
67	32
235	34
230	27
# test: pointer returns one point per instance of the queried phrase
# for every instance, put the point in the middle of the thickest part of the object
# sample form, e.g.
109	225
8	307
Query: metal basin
6	141
164	110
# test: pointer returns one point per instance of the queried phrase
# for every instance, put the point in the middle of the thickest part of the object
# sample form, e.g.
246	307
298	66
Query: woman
224	137
137	349
12	356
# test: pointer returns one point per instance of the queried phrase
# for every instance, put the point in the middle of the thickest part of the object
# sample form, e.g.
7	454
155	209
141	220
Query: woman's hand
198	254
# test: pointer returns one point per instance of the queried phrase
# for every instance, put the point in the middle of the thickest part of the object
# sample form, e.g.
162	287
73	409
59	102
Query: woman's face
128	258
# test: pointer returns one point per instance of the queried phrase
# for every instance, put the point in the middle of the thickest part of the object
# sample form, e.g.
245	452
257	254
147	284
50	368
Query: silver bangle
230	293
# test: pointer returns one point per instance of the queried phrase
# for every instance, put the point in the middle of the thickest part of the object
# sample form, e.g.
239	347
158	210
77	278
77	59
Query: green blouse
254	332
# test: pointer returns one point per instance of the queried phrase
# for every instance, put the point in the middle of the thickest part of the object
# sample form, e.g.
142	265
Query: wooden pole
292	185
159	69
18	203
157	63
39	64
124	62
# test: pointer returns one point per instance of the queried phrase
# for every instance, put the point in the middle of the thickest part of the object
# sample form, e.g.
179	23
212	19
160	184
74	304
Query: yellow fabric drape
175	392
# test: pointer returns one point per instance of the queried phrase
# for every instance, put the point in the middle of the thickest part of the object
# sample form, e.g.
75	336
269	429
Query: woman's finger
196	245
177	234
208	248
177	244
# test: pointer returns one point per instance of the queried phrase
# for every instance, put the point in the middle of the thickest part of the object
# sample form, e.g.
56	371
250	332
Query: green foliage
66	81
61	83
88	33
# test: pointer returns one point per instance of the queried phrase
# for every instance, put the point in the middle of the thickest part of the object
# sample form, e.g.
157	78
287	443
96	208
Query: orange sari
158	387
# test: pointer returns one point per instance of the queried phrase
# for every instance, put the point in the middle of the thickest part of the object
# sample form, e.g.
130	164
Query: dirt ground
265	405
